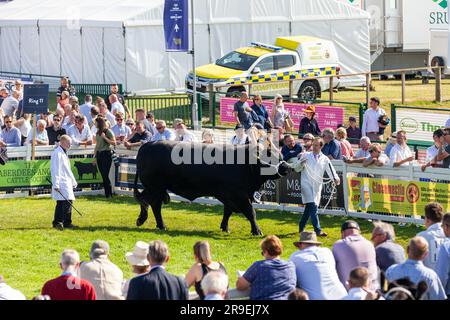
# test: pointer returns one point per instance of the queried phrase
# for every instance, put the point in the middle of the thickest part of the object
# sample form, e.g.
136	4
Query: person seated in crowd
291	150
353	132
80	133
261	112
55	131
157	284
62	287
183	134
442	267
308	139
331	148
138	262
207	136
11	104
63	100
24	125
103	110
315	268
8	293
387	251
104	275
434	234
69	120
140	137
400	153
40	133
240	137
150	121
73	101
444	151
116	106
3	95
309	124
163	133
47	117
358	284
132	125
416	271
10	135
202	266
215	286
271	278
298	294
65	86
432	152
95	111
377	157
85	109
391	142
346	147
362	153
353	251
176	122
140	116
120	130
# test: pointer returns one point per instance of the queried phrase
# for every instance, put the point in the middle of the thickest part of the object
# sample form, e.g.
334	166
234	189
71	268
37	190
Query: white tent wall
71	54
50	40
93	66
29	50
10	48
114	54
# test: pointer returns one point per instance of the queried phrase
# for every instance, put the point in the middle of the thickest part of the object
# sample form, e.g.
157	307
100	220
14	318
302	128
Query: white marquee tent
105	41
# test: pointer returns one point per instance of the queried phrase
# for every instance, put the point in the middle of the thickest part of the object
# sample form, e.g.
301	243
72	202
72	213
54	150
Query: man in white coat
313	166
63	183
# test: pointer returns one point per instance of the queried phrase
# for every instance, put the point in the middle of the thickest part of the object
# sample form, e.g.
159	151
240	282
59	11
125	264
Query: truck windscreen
236	60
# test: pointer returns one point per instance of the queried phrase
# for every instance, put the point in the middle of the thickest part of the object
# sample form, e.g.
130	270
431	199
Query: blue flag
176	26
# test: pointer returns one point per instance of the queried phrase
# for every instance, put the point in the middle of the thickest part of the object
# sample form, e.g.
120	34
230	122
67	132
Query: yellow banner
396	196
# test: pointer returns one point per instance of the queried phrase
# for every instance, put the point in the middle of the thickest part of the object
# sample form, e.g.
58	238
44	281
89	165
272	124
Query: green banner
23	174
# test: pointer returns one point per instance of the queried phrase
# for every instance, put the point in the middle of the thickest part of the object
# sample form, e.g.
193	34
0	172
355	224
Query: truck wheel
309	90
234	92
437	62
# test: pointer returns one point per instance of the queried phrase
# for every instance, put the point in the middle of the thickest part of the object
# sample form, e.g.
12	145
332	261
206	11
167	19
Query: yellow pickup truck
267	68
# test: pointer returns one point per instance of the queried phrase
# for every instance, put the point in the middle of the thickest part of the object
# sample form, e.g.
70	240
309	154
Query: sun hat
310	108
350	224
307	237
139	255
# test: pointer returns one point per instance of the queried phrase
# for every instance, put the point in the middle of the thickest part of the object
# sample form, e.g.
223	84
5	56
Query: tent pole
197	125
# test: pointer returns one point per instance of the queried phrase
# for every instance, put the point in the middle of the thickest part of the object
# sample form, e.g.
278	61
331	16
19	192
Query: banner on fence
420	125
326	116
27	174
8	82
396	196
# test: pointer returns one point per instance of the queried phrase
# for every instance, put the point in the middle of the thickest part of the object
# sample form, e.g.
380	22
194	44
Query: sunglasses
158	128
8	121
56	120
119	119
307	139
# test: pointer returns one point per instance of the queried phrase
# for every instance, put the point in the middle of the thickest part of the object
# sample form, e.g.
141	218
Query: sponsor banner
326	116
420	125
176	29
269	191
396	196
26	174
35	98
290	189
8	82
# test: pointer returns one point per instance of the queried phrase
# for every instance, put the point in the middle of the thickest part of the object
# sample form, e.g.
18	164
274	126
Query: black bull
232	181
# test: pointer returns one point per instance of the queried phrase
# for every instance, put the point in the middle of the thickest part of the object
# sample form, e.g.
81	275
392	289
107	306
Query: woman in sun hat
309	124
138	262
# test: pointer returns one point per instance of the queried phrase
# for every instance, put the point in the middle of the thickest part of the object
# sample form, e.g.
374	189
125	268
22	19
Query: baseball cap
350	224
351	118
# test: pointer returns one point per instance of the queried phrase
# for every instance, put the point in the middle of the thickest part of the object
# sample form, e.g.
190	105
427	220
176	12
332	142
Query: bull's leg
250	214
226	216
156	204
142	216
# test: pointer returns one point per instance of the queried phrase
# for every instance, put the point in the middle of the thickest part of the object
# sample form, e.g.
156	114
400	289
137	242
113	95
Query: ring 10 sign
35	98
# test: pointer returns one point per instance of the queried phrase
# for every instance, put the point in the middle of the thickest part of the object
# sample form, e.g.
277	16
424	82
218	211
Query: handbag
115	158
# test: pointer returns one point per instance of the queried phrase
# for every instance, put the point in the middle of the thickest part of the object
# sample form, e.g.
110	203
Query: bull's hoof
140	221
257	232
162	227
225	229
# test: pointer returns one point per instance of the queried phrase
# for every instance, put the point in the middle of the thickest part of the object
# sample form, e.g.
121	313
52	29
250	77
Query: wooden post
367	88
438	85
291	90
33	143
331	90
403	87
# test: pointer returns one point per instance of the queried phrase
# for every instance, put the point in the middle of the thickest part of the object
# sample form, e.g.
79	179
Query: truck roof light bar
266	46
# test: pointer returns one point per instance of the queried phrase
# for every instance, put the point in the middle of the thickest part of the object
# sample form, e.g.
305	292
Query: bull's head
274	171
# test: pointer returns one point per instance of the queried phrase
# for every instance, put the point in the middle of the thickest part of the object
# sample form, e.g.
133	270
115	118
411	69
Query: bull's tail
139	196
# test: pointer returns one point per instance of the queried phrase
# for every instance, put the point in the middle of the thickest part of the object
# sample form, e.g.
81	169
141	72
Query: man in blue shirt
415	270
140	137
11	136
291	149
242	111
331	148
443	261
162	132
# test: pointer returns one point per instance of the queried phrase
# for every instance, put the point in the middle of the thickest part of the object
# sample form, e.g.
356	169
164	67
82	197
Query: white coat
62	176
311	177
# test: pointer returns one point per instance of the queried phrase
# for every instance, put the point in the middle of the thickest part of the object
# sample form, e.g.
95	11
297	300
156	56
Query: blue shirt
12	137
333	149
289	153
271	279
443	265
416	272
244	116
165	135
262	114
122	130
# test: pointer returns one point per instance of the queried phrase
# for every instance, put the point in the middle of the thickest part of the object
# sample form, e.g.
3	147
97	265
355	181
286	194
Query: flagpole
197	125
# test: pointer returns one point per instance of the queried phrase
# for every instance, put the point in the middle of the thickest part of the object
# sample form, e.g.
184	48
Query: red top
68	287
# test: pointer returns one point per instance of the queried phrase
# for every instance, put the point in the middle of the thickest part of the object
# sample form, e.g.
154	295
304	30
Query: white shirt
361	154
356	294
186	137
316	273
117	107
236	140
370	120
85	109
25	128
435	237
78	136
8	293
431	153
62	176
10	106
111	118
398	153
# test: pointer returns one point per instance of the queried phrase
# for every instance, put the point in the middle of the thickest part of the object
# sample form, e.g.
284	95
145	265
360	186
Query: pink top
346	148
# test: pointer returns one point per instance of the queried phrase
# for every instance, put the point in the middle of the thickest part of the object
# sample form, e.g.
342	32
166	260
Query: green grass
31	248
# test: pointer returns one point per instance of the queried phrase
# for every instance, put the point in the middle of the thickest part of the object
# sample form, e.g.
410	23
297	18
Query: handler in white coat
313	166
63	183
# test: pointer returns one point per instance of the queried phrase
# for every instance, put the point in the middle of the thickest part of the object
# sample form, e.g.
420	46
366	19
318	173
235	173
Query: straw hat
311	109
139	255
307	237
